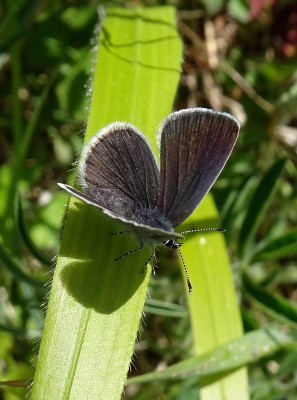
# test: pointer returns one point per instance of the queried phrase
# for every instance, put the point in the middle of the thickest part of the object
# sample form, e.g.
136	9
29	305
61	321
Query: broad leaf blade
96	304
214	308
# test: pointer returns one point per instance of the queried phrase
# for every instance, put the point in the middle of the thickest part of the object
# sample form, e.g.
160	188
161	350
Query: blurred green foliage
238	56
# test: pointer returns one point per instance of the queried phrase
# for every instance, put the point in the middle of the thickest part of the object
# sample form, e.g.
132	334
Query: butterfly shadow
88	269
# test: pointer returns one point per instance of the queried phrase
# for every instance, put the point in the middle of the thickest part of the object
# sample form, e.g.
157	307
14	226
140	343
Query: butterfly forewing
118	171
195	145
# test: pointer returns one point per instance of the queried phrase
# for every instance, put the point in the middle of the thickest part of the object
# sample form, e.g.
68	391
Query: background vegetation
237	57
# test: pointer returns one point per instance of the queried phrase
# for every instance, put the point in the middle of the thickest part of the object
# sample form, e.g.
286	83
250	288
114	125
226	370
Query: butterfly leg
129	252
119	233
149	259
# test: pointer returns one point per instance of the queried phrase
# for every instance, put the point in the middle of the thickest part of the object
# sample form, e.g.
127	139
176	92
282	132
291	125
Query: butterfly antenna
186	273
203	230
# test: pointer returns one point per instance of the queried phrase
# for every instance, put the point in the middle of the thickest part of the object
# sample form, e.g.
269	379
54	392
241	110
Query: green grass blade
282	246
26	237
215	364
95	303
18	332
14	266
214	308
274	304
164	308
258	205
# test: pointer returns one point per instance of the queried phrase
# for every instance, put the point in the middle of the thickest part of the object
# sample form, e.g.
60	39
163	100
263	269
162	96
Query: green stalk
95	303
214	308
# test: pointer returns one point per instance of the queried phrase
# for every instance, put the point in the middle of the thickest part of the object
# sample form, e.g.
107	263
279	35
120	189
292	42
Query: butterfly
118	172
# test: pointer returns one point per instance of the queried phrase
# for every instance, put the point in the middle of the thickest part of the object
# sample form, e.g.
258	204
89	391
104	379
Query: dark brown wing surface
195	145
119	172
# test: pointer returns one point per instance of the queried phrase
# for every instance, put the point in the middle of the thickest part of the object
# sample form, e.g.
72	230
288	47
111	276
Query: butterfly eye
173	244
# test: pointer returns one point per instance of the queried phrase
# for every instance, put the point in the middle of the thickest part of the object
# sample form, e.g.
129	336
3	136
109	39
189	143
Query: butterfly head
172	244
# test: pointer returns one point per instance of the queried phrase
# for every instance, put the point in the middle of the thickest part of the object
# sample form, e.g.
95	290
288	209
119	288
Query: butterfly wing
119	175
118	170
195	145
